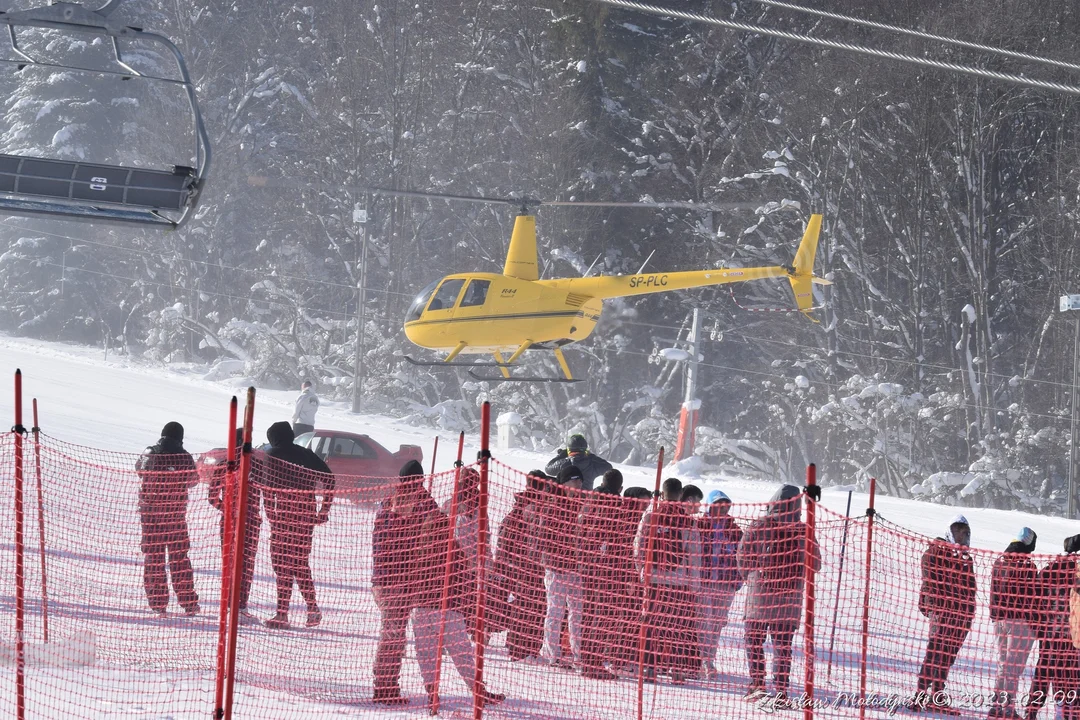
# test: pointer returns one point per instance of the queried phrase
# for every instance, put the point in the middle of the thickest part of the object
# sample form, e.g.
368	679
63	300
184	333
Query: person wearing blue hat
720	579
1013	599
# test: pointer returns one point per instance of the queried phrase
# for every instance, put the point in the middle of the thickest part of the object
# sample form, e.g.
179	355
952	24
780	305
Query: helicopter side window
421	301
476	293
447	295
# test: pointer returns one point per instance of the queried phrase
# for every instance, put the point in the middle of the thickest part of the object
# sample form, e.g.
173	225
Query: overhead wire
848	47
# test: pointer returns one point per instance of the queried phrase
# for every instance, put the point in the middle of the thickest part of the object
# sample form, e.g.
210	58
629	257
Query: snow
674	354
120	404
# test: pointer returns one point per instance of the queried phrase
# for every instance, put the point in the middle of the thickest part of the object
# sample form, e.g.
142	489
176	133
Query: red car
354	458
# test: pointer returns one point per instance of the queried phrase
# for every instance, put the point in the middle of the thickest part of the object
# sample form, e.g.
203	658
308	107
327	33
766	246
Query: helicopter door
476	294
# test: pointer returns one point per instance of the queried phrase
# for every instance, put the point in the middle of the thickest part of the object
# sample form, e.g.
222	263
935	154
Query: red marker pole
238	554
811	590
646	577
41	528
228	488
20	580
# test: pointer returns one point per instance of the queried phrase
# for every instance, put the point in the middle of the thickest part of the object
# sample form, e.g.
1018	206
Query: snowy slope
119	405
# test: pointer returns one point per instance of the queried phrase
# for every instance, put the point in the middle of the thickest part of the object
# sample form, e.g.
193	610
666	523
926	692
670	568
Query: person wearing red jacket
559	556
252	524
290	476
602	519
947	599
1013	587
1059	662
394	551
518	570
167	470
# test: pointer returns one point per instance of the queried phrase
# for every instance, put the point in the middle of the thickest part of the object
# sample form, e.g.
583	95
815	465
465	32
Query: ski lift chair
94	192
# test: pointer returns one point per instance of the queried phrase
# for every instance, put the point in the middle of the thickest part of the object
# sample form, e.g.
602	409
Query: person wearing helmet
577	454
947	599
1059	661
1012	609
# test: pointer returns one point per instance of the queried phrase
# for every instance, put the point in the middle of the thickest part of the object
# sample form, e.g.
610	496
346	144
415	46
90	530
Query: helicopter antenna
593	265
646	261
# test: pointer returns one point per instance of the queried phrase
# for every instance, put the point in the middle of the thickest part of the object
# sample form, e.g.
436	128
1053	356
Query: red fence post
481	556
444	601
20	581
646	576
238	553
41	528
809	652
226	566
870	512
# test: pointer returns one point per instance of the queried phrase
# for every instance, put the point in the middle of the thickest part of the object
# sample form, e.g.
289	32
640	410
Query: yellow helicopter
493	314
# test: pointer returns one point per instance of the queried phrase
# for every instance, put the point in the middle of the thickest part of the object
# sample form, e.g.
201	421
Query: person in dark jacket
1059	662
577	454
772	558
674	580
518	567
167	470
720	578
290	476
394	546
1013	588
947	599
252	525
607	526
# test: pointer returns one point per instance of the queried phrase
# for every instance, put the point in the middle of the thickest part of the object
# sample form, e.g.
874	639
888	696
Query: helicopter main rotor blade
674	204
279	182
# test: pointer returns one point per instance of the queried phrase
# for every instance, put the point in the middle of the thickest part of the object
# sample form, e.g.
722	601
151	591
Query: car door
350	455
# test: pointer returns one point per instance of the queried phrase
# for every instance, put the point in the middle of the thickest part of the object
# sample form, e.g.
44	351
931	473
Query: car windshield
304	439
421	301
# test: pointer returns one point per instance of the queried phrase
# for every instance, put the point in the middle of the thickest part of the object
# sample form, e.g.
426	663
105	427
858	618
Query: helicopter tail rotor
801	274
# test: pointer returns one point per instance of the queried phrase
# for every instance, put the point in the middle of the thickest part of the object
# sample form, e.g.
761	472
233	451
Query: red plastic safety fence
350	586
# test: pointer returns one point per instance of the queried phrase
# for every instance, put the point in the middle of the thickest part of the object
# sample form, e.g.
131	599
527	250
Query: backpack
669	548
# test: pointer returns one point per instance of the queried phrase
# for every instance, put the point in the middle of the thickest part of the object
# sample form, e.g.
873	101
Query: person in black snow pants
772	556
167	471
290	476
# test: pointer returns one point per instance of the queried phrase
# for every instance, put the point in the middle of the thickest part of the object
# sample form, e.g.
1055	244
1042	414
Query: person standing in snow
167	470
560	556
1013	588
720	579
517	565
1059	662
252	524
307	404
772	558
435	549
577	454
674	579
290	476
947	599
394	544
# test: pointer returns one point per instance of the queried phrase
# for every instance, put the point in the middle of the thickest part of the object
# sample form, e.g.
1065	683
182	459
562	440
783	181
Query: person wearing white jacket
307	404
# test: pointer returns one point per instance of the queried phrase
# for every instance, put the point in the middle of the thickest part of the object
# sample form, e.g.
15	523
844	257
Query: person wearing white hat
947	599
1013	598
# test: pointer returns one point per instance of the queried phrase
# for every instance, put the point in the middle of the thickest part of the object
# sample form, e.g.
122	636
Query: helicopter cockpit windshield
421	301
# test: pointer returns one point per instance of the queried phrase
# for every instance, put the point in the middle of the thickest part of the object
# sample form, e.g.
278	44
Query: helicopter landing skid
500	378
443	363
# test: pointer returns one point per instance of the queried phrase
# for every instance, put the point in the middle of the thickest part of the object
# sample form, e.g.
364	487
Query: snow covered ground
120	406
